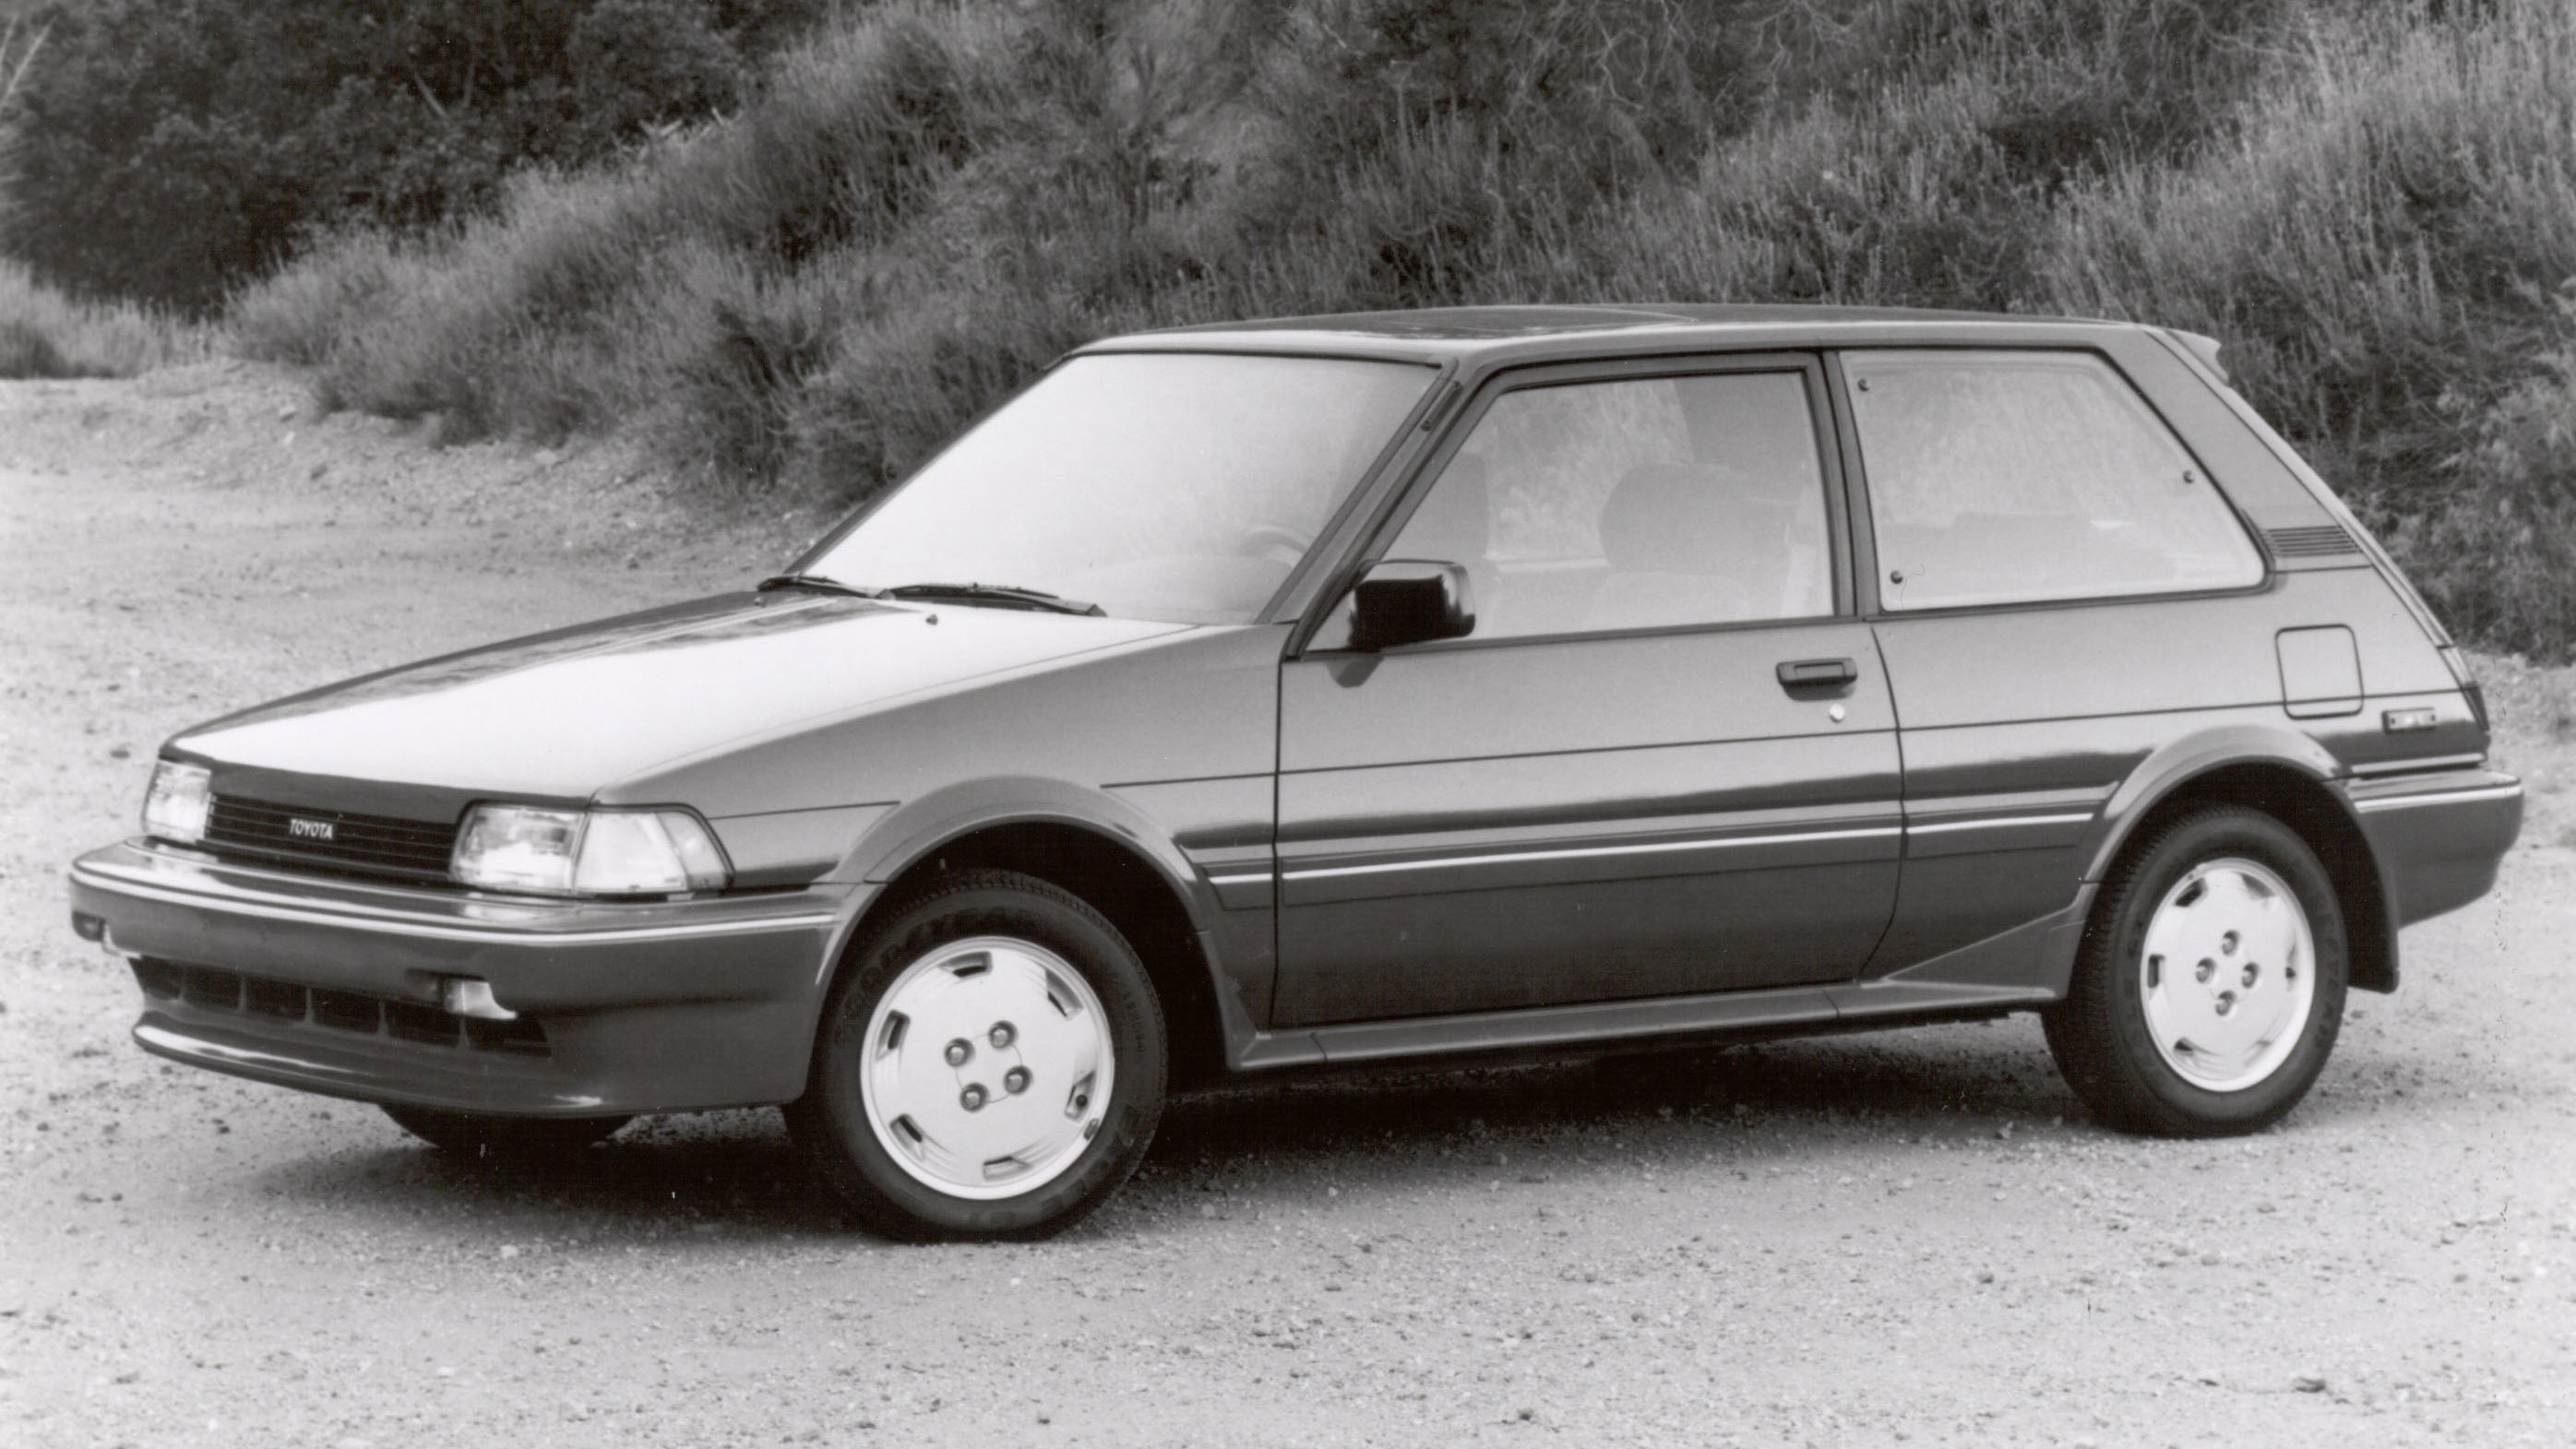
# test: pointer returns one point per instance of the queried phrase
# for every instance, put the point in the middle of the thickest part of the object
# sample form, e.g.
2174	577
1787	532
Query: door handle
1817	673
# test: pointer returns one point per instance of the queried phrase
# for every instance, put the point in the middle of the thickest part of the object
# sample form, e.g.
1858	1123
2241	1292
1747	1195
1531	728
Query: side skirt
2021	969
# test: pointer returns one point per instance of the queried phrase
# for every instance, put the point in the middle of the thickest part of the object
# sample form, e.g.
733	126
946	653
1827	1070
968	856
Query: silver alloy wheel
989	1067
2228	974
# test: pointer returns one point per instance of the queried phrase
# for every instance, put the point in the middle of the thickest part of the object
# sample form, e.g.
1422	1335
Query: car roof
1498	335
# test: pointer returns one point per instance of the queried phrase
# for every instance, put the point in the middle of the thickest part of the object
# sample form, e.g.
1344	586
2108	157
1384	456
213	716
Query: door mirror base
1410	601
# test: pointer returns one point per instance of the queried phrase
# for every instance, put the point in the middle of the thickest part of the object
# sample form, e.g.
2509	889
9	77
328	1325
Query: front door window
1640	503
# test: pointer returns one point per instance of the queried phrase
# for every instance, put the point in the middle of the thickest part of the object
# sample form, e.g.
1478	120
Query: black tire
2100	1033
485	1137
831	1124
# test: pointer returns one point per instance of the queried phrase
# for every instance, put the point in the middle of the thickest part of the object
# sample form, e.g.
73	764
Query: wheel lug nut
1016	1080
1002	1035
2251	971
2226	1002
972	1099
2206	969
960	1052
2227	944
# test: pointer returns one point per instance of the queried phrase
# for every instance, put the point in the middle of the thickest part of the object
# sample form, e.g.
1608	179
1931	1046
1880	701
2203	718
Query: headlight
588	852
174	808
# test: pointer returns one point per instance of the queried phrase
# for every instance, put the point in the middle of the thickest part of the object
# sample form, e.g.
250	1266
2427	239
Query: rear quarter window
2021	477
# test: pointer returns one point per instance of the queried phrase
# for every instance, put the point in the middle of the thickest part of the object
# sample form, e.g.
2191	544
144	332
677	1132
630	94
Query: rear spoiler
2203	347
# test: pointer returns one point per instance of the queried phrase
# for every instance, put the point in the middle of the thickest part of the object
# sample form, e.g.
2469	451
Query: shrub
26	351
2498	561
171	152
45	334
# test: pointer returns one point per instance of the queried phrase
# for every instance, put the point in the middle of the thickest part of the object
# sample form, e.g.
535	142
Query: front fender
910	833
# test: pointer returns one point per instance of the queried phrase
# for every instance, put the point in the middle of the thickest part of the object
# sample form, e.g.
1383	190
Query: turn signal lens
600	852
663	853
175	807
700	856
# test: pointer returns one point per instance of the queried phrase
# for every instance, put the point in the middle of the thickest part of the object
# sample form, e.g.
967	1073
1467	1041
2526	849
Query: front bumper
2438	836
333	986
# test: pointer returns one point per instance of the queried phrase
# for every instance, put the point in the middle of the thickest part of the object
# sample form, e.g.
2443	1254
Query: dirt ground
1904	1238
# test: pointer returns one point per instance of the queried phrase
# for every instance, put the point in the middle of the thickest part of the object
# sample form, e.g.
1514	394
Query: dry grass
45	334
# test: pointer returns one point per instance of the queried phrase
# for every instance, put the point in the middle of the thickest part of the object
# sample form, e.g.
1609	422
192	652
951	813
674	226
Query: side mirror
1410	601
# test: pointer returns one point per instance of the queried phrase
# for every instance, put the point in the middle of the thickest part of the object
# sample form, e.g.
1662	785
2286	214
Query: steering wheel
1278	544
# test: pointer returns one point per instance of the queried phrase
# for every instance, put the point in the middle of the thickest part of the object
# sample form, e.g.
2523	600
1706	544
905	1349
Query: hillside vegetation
2372	204
166	153
44	333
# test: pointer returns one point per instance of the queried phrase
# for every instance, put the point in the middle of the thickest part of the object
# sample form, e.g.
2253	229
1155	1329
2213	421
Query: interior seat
1690	544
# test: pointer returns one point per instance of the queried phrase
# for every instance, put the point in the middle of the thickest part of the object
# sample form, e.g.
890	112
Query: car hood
561	716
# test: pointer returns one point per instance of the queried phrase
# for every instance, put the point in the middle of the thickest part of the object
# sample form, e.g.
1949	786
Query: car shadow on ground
734	1172
737	1173
1671	1102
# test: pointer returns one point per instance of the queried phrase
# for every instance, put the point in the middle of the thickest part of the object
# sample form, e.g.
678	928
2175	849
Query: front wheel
2211	983
989	1065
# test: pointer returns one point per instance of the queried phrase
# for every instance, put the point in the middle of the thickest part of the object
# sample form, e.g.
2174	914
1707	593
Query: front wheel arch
1112	878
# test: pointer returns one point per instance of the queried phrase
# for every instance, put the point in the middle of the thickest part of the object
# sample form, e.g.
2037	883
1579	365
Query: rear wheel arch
2321	818
1115	879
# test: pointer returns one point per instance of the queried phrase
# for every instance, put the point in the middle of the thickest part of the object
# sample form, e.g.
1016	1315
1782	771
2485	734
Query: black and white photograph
1217	723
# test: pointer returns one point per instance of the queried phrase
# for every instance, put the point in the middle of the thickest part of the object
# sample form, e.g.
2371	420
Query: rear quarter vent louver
2324	540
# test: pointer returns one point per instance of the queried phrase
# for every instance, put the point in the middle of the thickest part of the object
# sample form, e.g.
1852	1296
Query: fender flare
914	830
2179	762
2175	766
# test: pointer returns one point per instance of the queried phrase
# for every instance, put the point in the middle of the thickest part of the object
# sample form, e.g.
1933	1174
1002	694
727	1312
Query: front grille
371	847
353	1012
2324	540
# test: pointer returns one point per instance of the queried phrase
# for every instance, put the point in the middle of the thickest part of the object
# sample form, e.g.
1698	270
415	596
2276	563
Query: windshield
1180	486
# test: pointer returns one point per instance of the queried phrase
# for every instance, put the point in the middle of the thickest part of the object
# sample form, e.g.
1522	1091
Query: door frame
1395	506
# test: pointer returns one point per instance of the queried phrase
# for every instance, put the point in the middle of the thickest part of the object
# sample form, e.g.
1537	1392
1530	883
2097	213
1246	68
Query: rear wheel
481	1135
989	1065
2210	986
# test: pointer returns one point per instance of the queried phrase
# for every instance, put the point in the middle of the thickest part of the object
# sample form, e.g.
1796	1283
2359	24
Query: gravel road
1911	1237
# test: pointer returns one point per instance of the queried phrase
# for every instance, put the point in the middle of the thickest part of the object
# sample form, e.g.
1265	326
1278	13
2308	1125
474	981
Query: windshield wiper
1002	594
816	582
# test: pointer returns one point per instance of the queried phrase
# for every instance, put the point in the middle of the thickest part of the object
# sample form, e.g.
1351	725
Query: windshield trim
1308	567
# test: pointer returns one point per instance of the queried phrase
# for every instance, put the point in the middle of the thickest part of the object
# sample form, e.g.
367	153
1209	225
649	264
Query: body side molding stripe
1587	852
2418	766
1999	822
2440	797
